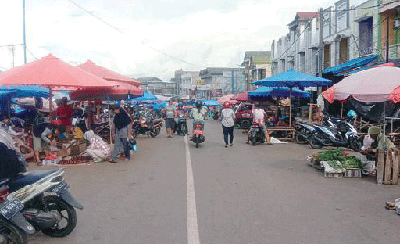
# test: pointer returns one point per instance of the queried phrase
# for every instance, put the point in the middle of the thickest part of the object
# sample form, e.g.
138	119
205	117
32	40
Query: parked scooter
303	133
143	126
255	134
36	200
338	133
181	125
198	133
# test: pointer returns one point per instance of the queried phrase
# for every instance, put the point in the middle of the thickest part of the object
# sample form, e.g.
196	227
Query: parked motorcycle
101	129
198	133
181	125
147	127
256	135
338	133
36	200
303	133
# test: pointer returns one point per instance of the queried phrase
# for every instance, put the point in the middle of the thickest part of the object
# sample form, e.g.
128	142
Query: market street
243	194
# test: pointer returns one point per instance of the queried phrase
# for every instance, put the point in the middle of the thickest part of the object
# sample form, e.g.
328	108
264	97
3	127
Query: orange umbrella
107	74
122	85
51	72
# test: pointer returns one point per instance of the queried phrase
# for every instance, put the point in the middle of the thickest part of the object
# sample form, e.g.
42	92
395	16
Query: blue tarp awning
147	96
210	103
278	92
26	91
351	64
293	78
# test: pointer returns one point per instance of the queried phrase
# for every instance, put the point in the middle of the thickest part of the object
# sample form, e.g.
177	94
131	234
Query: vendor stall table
289	130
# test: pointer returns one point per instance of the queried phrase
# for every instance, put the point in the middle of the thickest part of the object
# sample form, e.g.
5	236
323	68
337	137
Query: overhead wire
122	32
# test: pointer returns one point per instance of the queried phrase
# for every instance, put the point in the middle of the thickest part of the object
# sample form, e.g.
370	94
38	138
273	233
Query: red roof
50	71
307	15
106	73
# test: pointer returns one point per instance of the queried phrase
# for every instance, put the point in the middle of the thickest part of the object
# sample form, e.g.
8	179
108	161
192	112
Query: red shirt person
64	112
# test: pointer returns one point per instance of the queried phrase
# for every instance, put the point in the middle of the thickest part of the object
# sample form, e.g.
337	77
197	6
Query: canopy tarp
278	92
351	64
241	97
147	96
163	98
107	74
293	78
6	95
26	91
378	84
50	71
210	103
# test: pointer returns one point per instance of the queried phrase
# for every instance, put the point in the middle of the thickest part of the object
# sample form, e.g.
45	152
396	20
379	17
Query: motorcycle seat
156	121
3	182
28	178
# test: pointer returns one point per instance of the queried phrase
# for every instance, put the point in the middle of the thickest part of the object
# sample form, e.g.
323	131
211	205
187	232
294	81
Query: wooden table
290	130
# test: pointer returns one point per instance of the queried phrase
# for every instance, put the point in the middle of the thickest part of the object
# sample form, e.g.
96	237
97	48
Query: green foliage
334	155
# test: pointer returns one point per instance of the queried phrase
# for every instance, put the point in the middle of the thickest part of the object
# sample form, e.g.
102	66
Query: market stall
378	84
54	74
292	79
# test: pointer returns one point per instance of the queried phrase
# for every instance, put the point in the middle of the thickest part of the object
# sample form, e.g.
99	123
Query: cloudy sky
147	37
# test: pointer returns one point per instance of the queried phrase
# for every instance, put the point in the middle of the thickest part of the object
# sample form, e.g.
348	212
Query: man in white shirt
259	118
228	123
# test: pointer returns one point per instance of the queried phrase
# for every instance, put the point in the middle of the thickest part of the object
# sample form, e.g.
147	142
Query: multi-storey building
257	66
185	80
389	30
157	86
224	80
299	48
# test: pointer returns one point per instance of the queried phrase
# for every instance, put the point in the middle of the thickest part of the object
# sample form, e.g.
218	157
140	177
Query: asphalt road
243	194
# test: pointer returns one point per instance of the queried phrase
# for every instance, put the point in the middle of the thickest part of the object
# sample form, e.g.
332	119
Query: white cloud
203	32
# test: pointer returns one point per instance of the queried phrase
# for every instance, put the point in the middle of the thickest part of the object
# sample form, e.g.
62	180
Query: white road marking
192	226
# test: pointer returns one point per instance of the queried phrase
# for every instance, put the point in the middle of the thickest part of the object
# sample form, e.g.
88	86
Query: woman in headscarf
11	162
98	149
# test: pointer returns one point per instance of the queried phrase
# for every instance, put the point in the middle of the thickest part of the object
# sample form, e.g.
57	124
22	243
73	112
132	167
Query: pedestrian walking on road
169	119
121	123
228	123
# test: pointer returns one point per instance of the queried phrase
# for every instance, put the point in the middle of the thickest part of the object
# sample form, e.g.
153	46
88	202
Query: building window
365	29
344	50
302	62
327	56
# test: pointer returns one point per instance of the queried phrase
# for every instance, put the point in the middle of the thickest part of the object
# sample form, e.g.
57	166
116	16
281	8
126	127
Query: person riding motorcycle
199	113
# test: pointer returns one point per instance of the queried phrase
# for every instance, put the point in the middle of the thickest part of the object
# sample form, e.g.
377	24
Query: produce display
338	159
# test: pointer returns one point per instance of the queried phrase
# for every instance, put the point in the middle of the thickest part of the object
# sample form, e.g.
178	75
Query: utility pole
387	36
233	80
23	29
321	42
12	50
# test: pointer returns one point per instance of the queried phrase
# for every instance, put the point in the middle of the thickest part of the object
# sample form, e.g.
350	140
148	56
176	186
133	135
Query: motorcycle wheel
298	140
183	129
314	143
157	130
253	141
9	233
153	133
57	204
355	144
245	124
197	144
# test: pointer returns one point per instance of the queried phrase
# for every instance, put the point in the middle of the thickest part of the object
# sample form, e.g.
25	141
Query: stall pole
89	114
109	124
290	108
341	110
51	103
